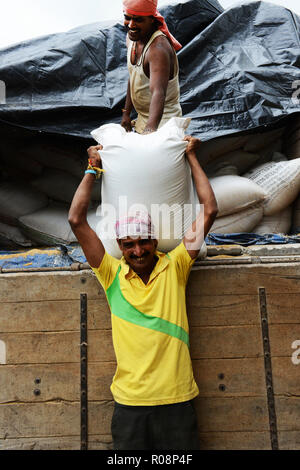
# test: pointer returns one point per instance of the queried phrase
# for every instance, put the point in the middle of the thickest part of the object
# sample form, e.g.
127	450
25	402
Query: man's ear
156	244
119	243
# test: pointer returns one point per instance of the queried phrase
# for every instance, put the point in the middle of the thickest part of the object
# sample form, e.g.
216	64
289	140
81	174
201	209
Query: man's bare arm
90	243
196	234
160	71
126	120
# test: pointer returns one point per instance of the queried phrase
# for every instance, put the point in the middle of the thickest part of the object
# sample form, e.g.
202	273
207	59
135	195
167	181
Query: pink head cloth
138	225
149	8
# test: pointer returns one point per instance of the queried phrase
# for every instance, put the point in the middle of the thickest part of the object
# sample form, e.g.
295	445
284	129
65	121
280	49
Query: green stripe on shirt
121	308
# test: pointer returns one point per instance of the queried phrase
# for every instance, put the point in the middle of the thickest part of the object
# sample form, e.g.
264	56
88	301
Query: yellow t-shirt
150	330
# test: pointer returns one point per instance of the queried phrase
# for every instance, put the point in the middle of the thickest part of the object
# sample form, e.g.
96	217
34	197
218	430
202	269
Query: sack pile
270	161
256	180
37	185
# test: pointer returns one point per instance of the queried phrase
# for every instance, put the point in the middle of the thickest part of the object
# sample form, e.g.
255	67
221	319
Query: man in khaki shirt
153	86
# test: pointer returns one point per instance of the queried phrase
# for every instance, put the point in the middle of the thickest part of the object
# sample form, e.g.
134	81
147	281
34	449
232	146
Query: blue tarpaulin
65	256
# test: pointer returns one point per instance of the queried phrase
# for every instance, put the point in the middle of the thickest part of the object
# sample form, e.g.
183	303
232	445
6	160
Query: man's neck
144	41
145	275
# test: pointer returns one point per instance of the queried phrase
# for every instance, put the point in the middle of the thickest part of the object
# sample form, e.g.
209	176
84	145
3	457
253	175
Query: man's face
139	27
139	253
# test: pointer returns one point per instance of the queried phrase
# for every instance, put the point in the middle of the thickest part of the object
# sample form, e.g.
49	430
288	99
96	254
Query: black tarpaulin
238	71
241	72
71	83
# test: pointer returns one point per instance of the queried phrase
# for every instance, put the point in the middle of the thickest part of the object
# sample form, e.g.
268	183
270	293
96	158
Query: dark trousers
165	427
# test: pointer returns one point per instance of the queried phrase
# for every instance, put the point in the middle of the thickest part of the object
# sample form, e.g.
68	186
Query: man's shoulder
161	42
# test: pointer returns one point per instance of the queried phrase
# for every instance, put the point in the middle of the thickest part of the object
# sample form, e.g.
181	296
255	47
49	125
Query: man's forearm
204	191
156	110
128	102
81	201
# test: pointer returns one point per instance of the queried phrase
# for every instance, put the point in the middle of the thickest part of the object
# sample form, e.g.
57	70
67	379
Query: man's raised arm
196	234
89	241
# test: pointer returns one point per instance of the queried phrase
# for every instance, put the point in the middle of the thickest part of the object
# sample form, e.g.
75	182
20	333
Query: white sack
61	186
214	148
50	226
277	223
235	193
147	172
11	236
17	200
280	181
239	159
239	222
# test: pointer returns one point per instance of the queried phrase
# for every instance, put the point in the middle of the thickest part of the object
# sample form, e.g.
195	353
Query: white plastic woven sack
150	173
241	160
214	148
17	200
235	193
239	222
281	182
50	226
277	223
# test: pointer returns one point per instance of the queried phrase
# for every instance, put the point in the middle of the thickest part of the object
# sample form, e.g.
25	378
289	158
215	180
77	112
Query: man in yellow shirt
154	384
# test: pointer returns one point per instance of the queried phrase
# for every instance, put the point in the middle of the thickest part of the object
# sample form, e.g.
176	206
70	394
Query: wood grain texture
224	378
232	414
235	440
52	419
56	382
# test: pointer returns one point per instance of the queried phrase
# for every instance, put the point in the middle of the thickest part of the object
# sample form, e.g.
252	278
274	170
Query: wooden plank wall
40	357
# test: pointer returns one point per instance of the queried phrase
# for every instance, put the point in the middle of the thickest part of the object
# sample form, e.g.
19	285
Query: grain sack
265	154
61	186
17	200
234	193
281	182
262	140
52	156
276	223
149	173
214	148
225	170
50	226
12	237
240	222
241	160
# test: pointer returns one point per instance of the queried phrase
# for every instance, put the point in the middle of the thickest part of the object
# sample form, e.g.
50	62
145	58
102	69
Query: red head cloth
149	8
136	225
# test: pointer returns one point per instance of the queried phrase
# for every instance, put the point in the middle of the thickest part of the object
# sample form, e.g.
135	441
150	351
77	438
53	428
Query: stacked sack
260	159
36	189
256	180
225	161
